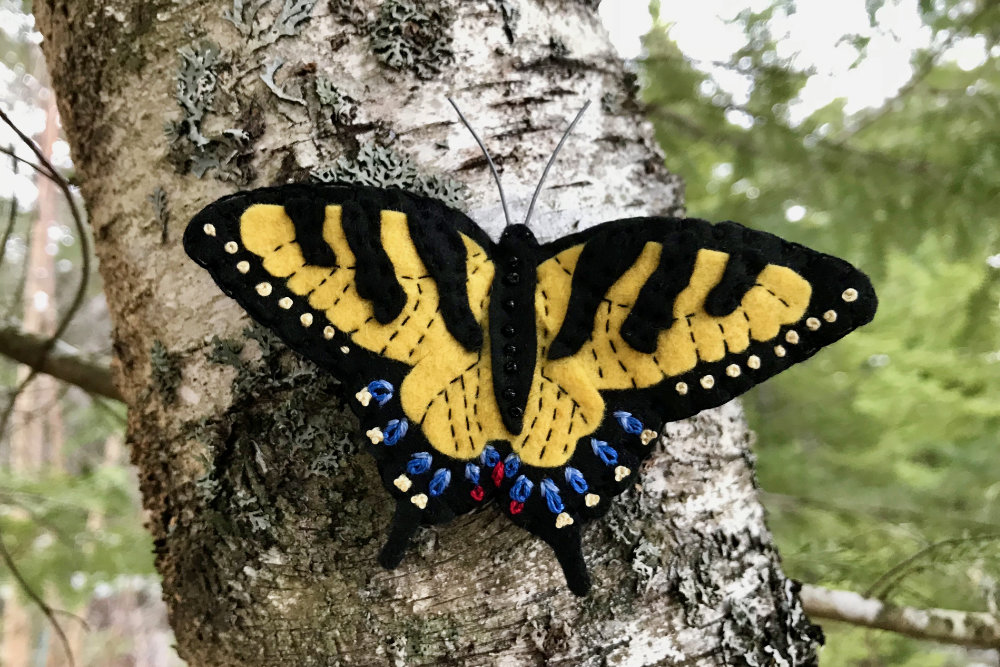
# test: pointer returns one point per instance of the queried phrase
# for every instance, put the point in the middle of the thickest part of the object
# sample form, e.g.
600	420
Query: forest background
869	129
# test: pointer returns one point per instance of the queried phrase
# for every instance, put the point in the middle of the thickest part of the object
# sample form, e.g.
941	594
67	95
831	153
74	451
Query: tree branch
64	362
961	628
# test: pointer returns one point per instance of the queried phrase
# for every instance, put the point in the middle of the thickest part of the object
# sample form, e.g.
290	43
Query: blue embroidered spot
472	472
440	481
381	391
604	451
490	457
395	430
521	489
511	465
576	480
629	423
419	463
551	494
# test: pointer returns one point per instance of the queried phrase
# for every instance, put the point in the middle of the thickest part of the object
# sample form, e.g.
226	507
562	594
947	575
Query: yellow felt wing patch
565	391
449	391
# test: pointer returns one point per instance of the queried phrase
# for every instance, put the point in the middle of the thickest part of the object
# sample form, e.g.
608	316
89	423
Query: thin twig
12	217
81	289
16	159
63	361
950	626
897	570
49	612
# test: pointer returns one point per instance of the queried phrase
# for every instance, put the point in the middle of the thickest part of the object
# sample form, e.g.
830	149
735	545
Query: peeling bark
266	519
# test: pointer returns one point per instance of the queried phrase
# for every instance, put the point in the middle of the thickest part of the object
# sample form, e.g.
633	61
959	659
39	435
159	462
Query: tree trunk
266	517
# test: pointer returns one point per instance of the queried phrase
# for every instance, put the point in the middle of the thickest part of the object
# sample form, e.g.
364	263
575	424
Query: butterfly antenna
493	168
541	181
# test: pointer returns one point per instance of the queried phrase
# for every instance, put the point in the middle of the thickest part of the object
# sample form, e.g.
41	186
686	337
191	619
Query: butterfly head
516	237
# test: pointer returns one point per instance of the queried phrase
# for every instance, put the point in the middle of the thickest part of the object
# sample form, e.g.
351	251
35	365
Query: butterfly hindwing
535	375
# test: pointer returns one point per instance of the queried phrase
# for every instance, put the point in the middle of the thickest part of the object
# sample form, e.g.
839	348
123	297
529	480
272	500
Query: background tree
878	458
264	516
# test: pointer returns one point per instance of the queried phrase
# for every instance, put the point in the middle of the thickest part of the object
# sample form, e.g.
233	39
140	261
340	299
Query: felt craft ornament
536	376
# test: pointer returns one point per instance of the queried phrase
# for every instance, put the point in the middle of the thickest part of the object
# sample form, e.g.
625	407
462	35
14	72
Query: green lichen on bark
380	166
343	107
245	15
228	153
413	36
165	371
285	425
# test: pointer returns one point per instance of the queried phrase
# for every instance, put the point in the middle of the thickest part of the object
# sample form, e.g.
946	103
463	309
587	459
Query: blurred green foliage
884	446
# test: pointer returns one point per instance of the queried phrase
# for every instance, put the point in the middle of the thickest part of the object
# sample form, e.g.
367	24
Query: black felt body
609	251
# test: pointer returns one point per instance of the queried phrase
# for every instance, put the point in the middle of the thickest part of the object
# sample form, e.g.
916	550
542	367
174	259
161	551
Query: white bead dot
328	332
563	520
231	247
812	324
591	499
344	349
792	336
733	371
850	294
779	351
306	319
621	472
753	362
243	267
209	229
708	382
264	289
420	500
285	302
681	387
830	316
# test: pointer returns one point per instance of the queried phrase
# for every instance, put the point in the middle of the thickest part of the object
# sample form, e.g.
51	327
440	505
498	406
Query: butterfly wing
388	291
651	320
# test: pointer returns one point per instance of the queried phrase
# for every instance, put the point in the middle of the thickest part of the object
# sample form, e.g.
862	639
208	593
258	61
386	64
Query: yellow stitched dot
708	382
209	229
231	247
591	499
792	336
243	267
264	289
345	349
563	520
733	371
850	294
306	319
812	324
285	302
830	316
753	362
647	436
621	472
420	500
779	350
681	387
328	332
375	435
402	483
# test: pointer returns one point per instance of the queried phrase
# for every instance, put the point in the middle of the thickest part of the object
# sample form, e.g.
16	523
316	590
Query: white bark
266	519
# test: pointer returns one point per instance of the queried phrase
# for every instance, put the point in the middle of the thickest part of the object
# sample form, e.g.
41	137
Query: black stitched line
785	303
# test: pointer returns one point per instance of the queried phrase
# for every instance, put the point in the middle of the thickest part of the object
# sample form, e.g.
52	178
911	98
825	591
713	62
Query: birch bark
266	518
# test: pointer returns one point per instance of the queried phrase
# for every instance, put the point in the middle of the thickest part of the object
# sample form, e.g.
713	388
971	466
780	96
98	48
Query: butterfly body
513	324
536	376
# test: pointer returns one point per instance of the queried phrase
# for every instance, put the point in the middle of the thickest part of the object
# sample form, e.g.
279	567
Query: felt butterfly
533	375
